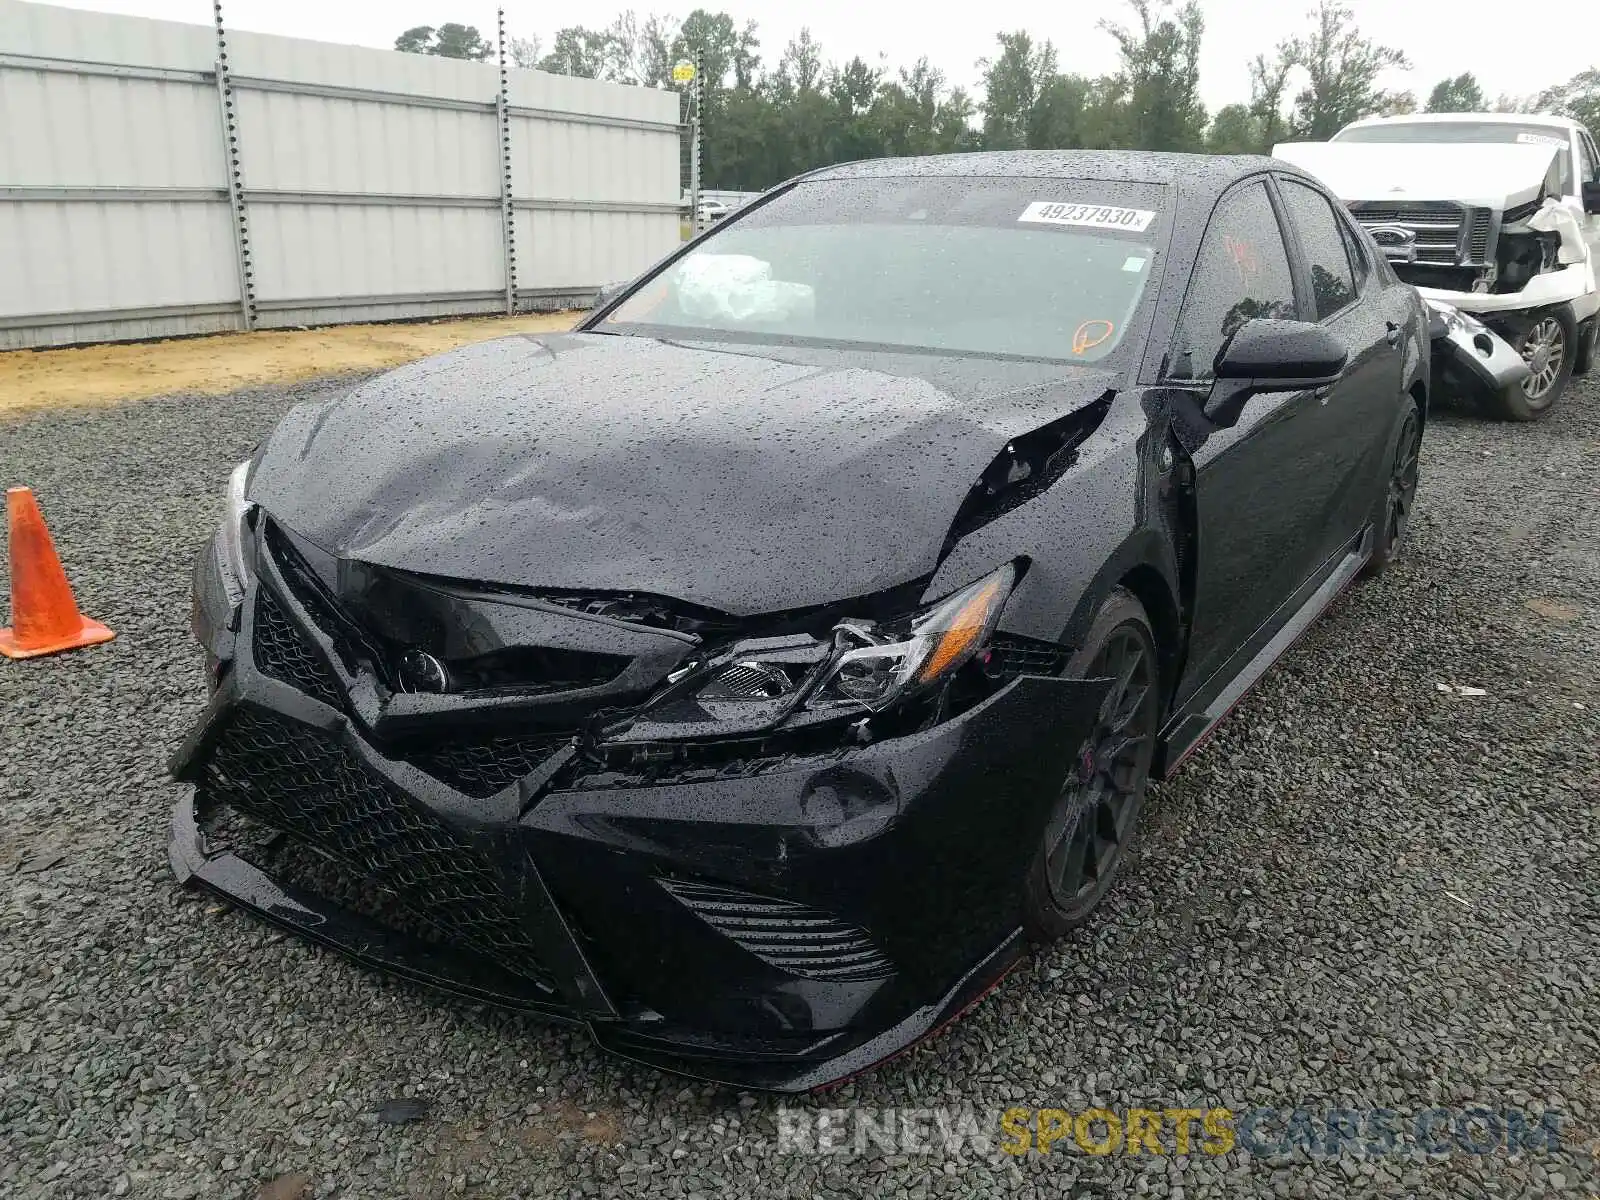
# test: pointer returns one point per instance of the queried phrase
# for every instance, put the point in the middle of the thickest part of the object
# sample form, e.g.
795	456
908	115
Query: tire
1588	335
1096	814
1549	343
1392	514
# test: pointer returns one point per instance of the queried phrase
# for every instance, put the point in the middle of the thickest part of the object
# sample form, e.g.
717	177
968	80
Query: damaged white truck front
1493	218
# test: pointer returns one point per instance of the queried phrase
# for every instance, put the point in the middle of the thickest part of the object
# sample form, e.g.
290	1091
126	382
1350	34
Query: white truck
1495	214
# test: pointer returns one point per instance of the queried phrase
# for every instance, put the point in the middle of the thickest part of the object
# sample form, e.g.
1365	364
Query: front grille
793	937
293	864
282	651
485	767
1478	235
1437	225
298	780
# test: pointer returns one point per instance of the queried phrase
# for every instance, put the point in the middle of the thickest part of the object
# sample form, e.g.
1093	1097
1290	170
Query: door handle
1393	336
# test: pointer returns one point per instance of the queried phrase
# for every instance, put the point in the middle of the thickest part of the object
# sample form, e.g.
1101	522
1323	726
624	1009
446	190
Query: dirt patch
1553	610
567	1122
94	375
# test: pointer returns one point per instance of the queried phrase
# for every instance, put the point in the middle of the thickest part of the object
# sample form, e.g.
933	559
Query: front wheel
1094	817
1549	345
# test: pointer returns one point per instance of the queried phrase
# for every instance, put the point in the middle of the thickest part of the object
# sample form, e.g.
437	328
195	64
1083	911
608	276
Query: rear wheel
1549	345
1400	493
1096	812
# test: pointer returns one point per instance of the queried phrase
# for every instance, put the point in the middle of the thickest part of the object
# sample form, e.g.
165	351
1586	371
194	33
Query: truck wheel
1549	345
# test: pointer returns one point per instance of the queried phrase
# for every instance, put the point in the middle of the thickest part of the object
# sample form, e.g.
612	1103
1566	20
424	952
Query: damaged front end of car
1479	229
1476	226
767	850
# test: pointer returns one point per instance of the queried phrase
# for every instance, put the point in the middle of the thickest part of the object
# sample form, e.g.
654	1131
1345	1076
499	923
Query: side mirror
1265	355
1591	195
1281	356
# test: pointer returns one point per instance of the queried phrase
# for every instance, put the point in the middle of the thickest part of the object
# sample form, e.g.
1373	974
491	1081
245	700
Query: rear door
1261	483
1352	420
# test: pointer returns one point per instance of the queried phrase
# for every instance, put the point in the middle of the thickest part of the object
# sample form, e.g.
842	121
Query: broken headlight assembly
875	665
859	667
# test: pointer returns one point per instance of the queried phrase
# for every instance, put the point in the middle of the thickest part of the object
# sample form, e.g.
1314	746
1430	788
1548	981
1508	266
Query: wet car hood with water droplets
746	479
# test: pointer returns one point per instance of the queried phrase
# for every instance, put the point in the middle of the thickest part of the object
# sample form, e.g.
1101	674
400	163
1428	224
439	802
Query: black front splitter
801	1066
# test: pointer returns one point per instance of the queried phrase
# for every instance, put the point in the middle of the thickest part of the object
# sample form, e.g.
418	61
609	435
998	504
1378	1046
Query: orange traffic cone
45	618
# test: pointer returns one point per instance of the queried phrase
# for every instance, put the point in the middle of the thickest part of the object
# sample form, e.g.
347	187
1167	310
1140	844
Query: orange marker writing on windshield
1090	334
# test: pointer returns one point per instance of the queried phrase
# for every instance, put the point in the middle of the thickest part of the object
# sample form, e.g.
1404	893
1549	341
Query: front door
1262	483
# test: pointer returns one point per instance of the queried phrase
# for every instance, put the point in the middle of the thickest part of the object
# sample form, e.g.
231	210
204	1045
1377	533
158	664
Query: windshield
1456	132
1035	268
1453	131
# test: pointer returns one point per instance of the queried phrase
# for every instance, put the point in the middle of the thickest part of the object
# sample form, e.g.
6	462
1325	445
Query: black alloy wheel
1096	813
1399	496
1402	483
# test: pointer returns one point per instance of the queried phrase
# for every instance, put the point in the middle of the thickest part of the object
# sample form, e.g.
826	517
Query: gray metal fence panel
371	181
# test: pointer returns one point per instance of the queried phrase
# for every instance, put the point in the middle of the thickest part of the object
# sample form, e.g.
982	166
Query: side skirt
1187	728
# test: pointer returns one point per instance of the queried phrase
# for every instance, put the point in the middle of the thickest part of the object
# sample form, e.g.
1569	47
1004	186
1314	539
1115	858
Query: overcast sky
1509	53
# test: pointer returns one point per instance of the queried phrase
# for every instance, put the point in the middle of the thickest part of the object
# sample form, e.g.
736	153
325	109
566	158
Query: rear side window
1358	254
1333	286
1242	273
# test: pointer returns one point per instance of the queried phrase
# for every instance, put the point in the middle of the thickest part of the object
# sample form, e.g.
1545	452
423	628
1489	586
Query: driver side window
1242	272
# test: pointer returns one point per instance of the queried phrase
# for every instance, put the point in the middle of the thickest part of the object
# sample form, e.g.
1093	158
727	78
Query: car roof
1197	175
1490	118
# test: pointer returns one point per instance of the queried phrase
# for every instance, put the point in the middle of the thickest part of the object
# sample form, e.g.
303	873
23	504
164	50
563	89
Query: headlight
883	663
231	537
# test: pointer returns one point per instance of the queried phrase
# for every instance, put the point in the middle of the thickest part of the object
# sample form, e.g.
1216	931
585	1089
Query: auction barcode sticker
1096	216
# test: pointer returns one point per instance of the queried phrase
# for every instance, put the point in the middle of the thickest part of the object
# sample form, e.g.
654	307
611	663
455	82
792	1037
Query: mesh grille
281	651
792	937
1012	655
483	768
297	780
478	769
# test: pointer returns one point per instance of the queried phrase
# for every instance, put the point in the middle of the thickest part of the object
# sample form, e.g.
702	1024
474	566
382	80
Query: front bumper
778	926
1469	352
1571	284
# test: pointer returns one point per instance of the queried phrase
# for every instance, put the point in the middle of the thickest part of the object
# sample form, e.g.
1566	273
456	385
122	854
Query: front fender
1103	517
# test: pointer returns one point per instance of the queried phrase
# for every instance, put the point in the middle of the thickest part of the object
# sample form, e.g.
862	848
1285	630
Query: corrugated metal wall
370	181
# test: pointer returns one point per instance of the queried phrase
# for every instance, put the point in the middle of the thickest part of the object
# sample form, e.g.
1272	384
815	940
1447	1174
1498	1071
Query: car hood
1488	175
745	479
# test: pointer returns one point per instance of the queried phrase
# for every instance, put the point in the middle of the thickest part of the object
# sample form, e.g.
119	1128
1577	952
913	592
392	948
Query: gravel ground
1366	891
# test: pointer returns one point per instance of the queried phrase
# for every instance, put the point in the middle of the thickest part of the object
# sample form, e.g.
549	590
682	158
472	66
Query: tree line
763	124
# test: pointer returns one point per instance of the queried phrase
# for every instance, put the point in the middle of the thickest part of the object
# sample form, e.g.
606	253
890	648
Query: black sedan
749	674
